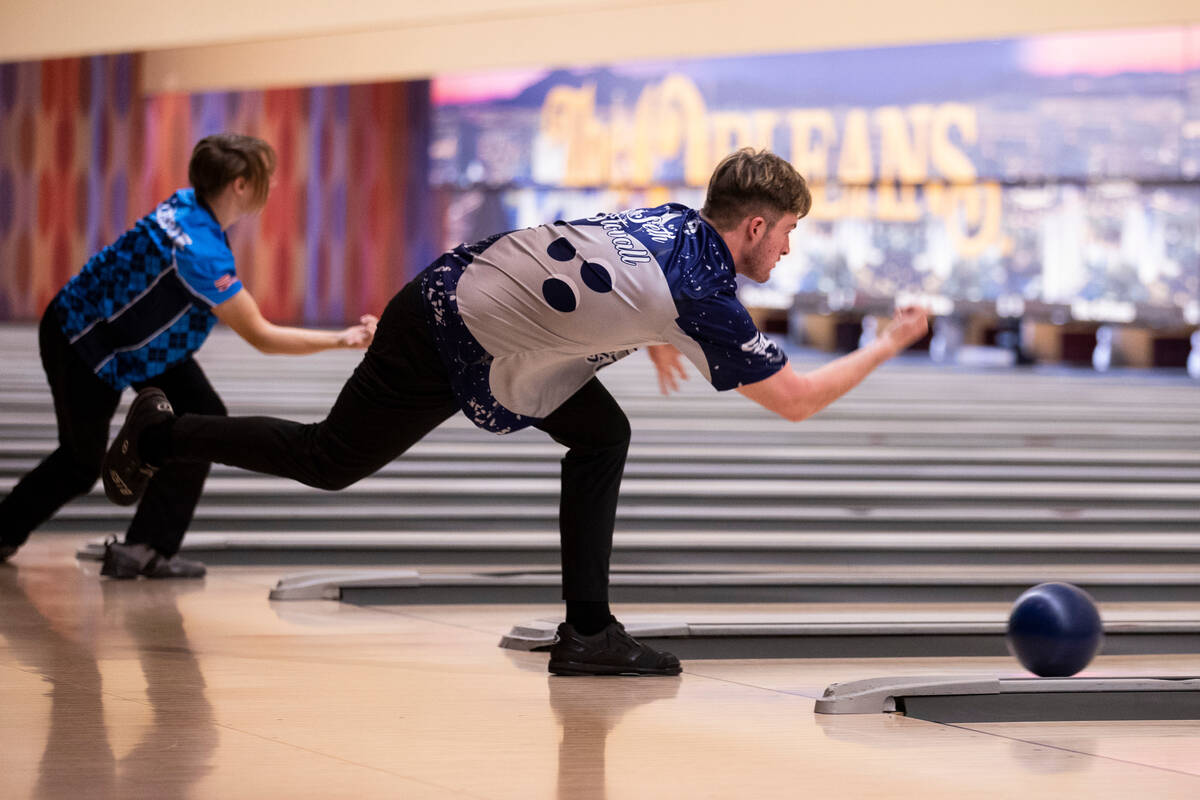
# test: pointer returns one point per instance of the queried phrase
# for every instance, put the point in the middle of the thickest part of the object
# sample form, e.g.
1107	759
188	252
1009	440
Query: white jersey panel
523	319
555	303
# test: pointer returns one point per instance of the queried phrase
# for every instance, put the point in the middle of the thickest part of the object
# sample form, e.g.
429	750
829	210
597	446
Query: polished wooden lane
206	689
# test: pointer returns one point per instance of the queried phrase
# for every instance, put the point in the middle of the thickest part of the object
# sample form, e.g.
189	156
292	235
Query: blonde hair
754	183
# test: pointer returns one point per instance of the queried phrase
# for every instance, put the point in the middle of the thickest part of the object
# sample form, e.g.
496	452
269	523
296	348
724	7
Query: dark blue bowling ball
1054	630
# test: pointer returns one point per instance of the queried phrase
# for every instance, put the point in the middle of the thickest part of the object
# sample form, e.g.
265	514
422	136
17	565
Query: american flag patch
224	282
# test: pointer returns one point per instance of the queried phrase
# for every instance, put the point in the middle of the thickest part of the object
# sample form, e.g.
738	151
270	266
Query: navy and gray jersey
524	319
144	303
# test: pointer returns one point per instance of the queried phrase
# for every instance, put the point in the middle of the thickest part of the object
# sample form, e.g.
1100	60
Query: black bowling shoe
612	651
124	561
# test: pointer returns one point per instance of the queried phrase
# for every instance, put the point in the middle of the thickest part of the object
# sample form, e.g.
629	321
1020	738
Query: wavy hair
754	183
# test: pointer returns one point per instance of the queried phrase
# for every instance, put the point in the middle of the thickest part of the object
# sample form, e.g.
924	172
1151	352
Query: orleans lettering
892	163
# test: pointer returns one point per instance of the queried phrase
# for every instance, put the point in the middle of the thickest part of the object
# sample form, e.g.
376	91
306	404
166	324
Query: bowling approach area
838	590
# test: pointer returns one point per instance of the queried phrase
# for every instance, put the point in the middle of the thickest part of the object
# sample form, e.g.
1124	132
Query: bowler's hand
908	325
668	361
361	335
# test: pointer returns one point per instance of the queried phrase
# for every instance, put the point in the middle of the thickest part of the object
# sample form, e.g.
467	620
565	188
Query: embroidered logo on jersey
224	282
630	250
762	346
654	226
164	215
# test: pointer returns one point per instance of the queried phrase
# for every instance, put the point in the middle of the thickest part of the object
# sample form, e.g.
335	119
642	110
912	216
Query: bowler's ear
757	228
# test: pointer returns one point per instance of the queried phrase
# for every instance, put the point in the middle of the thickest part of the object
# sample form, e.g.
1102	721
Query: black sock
589	616
154	443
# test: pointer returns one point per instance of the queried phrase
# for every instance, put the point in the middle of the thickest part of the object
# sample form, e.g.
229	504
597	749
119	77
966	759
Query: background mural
82	156
1051	171
1057	170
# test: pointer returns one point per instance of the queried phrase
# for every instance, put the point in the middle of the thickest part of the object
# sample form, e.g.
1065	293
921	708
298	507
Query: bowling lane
1164	744
322	699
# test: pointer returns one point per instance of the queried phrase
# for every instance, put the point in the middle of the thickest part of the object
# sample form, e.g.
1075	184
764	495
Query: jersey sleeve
206	266
720	332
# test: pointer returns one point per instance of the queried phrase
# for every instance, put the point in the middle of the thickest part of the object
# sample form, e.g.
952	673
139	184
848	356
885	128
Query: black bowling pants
398	394
84	406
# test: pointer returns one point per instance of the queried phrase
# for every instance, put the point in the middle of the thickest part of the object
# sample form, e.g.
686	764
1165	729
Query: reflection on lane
587	710
49	618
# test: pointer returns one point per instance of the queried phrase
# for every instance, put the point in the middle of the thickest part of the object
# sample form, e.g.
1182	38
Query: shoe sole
115	487
577	668
119	492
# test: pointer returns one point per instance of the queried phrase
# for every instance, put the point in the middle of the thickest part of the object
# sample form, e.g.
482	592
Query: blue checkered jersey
144	303
524	319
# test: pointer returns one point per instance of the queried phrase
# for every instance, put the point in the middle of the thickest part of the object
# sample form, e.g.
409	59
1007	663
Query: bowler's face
774	245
